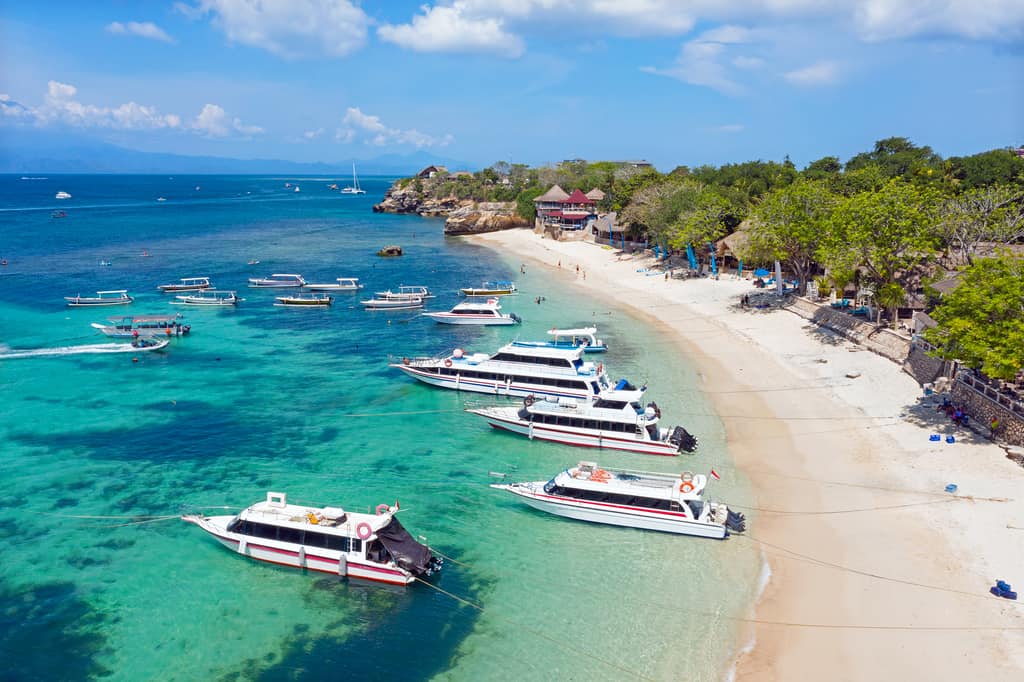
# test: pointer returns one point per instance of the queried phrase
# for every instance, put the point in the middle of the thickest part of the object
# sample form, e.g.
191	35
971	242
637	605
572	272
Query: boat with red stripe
326	539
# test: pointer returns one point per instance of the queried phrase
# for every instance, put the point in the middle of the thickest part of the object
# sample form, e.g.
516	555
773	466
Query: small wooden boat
114	297
341	284
305	300
187	284
497	288
208	297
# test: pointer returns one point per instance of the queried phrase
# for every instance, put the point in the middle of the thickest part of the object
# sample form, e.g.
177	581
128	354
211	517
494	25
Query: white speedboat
584	337
277	281
304	301
476	312
133	326
102	298
615	420
62	195
187	284
387	301
415	291
512	371
325	539
492	288
354	188
208	297
340	284
635	499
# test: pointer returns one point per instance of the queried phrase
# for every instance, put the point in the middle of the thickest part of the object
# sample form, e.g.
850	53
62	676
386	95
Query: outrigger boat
635	499
326	539
392	302
475	312
208	297
277	281
187	284
304	301
132	326
512	371
102	298
494	288
585	338
407	291
615	420
341	284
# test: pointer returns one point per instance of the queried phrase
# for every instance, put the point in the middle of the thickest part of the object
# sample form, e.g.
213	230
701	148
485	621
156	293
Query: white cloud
742	62
313	134
61	107
450	29
821	73
727	128
700	61
145	29
213	121
1000	20
356	124
287	28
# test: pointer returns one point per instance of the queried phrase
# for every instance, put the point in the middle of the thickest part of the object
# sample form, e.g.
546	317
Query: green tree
826	167
703	220
998	166
790	225
981	323
657	208
898	157
983	214
524	201
890	233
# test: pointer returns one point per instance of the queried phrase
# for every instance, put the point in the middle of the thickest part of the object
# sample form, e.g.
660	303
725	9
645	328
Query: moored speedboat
341	284
62	195
476	312
132	326
491	288
208	297
186	284
304	300
115	297
326	539
635	499
615	420
585	338
512	371
277	281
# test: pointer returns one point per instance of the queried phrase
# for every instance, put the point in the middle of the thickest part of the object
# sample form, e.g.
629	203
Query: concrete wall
924	367
885	342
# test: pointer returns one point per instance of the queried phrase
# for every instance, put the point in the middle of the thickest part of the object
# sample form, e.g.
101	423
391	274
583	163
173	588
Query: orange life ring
529	400
381	508
363	530
448	362
405	361
686	487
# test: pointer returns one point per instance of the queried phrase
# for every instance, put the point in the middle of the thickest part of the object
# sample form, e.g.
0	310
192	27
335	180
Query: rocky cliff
464	216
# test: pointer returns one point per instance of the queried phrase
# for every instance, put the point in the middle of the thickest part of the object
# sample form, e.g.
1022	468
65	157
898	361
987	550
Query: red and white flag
715	475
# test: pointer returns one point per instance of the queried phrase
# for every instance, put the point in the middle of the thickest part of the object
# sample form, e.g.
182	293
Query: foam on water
259	398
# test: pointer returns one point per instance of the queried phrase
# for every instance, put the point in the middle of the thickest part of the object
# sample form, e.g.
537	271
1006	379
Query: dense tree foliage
981	323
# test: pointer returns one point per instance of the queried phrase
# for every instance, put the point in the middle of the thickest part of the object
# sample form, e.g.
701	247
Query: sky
526	81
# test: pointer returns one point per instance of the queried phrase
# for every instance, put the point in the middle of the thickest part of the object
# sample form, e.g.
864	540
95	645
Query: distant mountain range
30	152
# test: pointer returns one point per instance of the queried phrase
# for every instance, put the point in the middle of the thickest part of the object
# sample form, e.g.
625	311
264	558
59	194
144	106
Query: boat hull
479	320
506	420
392	305
169	288
273	285
330	287
616	515
299	556
95	302
491	387
487	292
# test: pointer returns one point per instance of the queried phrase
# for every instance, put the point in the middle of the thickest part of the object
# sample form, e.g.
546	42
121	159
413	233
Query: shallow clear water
261	398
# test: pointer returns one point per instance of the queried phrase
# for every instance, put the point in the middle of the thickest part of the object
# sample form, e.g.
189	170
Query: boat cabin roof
571	354
286	275
489	304
145	318
582	331
112	291
186	280
496	283
276	510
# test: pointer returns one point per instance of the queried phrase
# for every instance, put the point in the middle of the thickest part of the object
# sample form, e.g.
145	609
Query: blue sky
532	81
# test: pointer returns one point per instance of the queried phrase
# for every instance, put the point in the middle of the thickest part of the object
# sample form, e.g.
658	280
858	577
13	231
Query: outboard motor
736	522
683	439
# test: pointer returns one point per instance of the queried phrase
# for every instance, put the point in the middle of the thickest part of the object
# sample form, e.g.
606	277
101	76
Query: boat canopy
406	551
583	331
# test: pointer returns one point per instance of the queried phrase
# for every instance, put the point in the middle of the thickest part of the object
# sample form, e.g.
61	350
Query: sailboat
354	188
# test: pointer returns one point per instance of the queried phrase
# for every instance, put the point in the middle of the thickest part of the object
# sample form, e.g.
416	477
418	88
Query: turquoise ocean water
262	398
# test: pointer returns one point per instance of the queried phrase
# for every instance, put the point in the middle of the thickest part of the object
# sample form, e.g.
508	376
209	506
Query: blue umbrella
761	272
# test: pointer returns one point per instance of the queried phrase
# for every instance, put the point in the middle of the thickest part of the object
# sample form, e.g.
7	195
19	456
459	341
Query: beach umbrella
761	272
739	271
714	265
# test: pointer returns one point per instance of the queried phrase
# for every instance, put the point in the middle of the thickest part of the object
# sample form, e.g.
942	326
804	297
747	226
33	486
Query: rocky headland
463	216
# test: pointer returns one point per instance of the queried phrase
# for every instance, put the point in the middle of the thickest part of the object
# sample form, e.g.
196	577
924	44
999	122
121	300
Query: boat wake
92	348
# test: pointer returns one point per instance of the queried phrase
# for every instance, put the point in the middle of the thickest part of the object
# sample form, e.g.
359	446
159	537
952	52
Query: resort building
559	212
432	172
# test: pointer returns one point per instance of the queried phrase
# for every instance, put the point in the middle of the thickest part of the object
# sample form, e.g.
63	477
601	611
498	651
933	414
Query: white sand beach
876	572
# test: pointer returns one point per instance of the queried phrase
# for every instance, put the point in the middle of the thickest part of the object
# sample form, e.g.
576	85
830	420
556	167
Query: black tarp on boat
409	554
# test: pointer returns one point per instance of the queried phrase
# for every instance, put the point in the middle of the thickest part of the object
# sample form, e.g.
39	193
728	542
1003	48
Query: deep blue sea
101	452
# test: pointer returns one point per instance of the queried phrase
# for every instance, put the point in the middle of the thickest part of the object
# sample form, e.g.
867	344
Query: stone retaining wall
982	402
885	342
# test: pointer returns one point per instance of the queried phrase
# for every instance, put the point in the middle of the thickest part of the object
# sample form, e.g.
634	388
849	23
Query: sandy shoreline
845	599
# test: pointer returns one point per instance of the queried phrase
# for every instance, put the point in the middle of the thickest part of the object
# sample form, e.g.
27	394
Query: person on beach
522	269
993	427
584	275
666	276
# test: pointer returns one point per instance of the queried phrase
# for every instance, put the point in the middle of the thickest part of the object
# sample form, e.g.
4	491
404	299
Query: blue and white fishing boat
277	281
102	298
340	284
208	297
584	337
186	284
512	371
133	326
